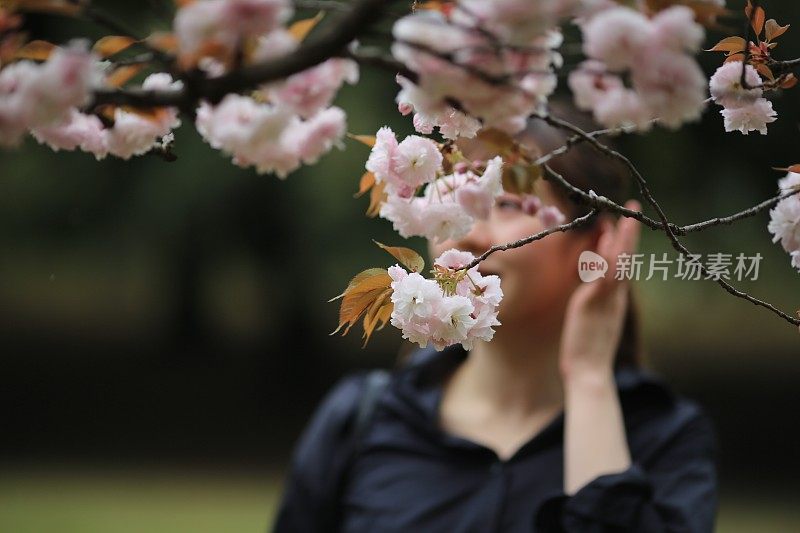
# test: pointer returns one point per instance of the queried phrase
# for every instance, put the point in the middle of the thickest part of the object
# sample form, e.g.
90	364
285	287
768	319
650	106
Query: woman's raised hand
595	313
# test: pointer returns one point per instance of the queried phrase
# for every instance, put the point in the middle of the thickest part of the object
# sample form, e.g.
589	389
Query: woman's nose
478	240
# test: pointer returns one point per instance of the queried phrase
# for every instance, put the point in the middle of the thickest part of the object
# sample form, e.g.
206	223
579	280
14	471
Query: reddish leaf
765	71
112	44
756	19
774	30
789	82
407	257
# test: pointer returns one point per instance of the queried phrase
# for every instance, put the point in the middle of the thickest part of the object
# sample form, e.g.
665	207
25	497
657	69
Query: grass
176	502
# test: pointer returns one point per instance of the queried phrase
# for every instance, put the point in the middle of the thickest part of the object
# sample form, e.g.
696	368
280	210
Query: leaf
775	30
729	44
58	7
758	19
794	168
36	51
734	57
377	195
123	75
361	276
789	82
113	44
765	71
379	311
163	41
360	295
302	28
407	257
369	140
365	184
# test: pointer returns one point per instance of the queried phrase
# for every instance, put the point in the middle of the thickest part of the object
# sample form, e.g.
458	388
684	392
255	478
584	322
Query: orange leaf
734	57
377	195
794	168
774	30
361	276
302	28
163	41
360	295
112	44
789	82
407	257
366	183
36	51
369	140
380	310
59	7
758	19
765	71
729	44
123	75
183	3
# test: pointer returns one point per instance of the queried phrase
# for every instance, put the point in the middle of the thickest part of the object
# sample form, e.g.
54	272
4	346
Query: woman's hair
584	167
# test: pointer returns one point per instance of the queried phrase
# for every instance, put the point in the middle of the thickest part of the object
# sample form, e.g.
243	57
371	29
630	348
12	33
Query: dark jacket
410	476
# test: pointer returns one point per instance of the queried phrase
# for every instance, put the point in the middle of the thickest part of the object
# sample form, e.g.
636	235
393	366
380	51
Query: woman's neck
516	374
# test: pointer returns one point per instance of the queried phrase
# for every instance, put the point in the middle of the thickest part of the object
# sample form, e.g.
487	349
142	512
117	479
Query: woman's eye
508	204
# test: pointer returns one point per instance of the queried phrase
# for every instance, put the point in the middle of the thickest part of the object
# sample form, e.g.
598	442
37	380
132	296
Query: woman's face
537	278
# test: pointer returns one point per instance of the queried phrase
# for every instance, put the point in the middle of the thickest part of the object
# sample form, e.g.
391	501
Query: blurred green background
164	326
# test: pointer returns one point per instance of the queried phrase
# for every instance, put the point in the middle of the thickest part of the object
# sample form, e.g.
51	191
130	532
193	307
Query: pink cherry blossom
672	86
551	216
726	85
226	22
753	117
616	36
418	160
675	28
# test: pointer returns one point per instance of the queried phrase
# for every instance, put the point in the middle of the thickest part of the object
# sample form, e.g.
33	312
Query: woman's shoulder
656	415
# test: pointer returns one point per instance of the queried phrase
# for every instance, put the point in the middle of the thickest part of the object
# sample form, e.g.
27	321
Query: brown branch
580	221
318	48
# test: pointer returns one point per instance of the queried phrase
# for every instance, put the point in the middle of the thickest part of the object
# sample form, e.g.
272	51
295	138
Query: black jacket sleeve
318	461
676	492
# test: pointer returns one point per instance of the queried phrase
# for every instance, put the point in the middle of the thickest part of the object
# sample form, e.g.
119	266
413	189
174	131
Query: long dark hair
586	168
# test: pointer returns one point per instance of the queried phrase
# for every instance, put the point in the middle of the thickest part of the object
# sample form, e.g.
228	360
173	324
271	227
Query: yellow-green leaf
407	257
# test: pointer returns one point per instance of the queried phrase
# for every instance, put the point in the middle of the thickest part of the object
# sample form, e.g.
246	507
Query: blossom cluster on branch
259	84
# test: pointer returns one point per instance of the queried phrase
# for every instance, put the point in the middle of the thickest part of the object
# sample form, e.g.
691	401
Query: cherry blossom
455	307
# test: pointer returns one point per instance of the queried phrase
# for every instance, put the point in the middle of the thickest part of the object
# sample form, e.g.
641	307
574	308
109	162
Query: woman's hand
595	314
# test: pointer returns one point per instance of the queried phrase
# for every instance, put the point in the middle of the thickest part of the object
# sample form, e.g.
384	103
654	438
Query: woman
552	426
